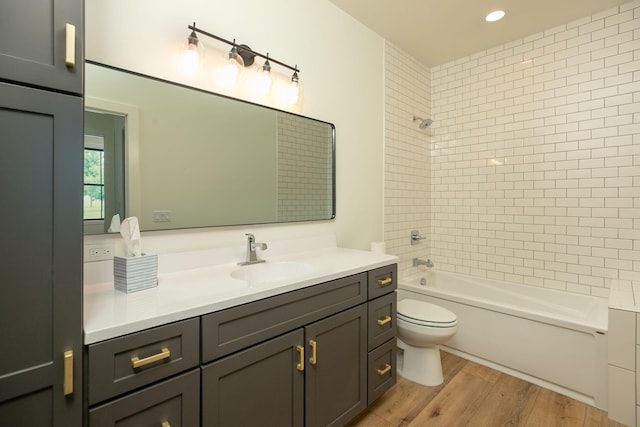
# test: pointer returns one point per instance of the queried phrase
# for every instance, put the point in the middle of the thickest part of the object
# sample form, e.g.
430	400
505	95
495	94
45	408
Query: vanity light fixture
242	56
494	16
294	89
192	53
233	66
265	77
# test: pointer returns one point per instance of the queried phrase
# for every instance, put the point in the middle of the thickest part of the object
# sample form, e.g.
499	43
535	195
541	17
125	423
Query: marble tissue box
135	273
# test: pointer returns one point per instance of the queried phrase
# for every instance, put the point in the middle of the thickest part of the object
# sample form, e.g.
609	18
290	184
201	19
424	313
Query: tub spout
428	263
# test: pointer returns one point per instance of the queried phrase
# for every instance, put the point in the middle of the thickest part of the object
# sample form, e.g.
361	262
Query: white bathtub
554	339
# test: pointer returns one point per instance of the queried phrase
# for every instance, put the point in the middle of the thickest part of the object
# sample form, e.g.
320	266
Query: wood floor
474	395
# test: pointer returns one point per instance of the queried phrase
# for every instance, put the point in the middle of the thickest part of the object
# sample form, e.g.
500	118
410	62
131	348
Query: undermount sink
270	271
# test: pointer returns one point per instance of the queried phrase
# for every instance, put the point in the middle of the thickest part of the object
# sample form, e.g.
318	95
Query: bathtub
555	339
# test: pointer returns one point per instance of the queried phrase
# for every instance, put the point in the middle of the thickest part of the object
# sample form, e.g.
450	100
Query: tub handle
384	321
385	281
384	370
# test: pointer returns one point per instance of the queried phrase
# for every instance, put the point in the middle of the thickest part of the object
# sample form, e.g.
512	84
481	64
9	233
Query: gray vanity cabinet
313	376
382	331
151	377
40	256
41	220
275	379
34	50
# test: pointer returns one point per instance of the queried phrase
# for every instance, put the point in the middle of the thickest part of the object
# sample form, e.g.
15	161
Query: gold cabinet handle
386	281
314	346
70	48
384	370
68	373
138	363
166	424
300	365
384	321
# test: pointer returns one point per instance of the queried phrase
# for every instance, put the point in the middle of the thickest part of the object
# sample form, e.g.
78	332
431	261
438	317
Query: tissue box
135	273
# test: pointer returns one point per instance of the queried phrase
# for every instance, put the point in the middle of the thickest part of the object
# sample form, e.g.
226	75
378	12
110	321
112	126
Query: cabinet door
260	386
336	378
33	43
40	257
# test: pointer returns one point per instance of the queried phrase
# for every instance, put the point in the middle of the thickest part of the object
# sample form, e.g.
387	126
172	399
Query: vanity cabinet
41	224
38	41
314	375
41	257
145	362
382	331
308	357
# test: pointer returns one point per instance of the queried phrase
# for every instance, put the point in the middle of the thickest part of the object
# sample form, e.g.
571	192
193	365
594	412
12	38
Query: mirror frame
132	174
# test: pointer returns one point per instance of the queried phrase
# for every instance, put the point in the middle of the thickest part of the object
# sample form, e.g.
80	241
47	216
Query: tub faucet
251	250
428	263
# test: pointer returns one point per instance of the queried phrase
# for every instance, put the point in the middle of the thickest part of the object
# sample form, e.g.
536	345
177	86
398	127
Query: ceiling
438	31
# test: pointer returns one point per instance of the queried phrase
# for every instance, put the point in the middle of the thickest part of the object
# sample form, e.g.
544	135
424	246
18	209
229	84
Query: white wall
341	65
536	157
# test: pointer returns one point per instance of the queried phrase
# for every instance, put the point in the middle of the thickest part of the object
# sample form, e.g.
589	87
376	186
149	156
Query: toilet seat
425	314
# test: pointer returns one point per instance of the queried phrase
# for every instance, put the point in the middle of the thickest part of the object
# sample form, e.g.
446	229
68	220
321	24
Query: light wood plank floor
474	395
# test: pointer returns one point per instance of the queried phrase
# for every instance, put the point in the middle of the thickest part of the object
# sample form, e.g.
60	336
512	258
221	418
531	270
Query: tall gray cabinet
41	107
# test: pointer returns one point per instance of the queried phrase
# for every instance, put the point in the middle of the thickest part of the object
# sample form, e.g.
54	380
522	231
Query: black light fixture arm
244	47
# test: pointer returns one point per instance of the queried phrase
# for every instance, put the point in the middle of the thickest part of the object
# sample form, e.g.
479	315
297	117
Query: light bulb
294	89
192	53
232	67
264	81
494	16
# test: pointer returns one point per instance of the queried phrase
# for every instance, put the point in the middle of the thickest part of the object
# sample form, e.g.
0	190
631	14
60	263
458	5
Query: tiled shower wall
406	176
535	157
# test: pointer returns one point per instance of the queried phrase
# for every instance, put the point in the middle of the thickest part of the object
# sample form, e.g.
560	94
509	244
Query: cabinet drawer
382	370
239	327
122	364
175	402
382	280
382	320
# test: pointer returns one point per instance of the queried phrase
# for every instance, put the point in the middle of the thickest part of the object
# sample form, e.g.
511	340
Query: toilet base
421	365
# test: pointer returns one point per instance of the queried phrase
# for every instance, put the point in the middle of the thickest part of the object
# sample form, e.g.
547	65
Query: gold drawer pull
138	363
313	359
300	365
384	321
70	46
384	370
68	373
386	281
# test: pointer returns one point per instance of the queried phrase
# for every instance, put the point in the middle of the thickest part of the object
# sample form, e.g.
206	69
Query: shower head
423	123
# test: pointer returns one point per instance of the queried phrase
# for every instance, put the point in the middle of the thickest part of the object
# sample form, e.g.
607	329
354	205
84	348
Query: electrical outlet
98	252
161	216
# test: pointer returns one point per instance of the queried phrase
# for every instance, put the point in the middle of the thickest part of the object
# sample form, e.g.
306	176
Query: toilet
422	327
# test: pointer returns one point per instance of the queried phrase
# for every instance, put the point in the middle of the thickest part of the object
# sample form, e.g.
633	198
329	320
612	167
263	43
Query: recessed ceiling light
494	16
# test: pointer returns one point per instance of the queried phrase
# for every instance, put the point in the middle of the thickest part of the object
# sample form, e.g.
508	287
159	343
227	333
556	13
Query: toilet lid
425	313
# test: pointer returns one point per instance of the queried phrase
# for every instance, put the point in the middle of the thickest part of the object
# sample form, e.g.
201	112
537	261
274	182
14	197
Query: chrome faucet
251	250
428	263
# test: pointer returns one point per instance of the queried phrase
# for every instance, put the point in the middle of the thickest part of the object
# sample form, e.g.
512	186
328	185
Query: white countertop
197	283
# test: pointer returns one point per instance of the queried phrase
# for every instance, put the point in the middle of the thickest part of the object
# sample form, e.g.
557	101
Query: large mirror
179	157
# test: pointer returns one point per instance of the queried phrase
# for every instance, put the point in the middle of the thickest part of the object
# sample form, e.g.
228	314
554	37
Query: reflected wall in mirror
178	157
